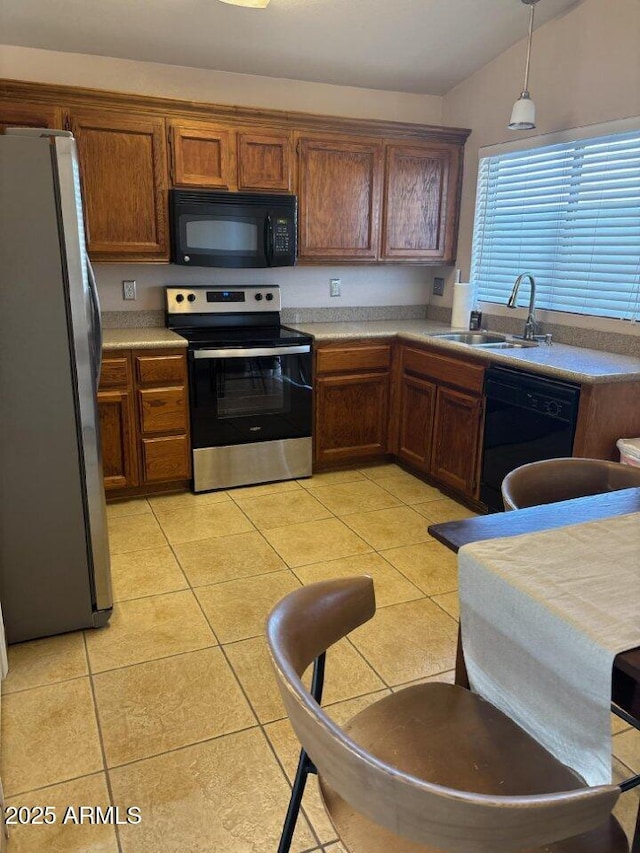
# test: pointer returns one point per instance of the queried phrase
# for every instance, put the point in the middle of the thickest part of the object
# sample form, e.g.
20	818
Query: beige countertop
559	361
141	338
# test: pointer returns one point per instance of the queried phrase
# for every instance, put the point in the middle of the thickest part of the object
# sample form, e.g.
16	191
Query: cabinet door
25	114
203	155
123	171
421	202
264	161
417	404
339	197
456	440
117	432
351	417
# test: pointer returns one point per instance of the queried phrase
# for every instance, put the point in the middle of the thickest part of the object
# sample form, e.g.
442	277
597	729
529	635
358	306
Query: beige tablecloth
543	615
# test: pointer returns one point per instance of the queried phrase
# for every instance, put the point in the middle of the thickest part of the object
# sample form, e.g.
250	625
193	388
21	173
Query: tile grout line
101	739
258	721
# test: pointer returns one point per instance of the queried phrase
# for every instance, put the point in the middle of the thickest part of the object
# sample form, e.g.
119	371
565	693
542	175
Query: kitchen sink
474	339
507	345
485	340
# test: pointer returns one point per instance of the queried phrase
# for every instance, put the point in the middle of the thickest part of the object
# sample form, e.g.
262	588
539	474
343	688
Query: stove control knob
269	297
191	297
258	297
180	298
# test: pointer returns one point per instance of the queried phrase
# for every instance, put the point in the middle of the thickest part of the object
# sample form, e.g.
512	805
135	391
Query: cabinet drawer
115	372
452	371
354	358
152	369
163	410
165	459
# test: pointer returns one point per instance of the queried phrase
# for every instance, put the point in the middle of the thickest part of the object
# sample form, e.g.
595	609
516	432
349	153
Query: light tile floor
173	707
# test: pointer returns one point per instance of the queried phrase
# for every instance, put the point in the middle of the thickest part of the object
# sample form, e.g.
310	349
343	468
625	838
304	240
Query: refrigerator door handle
97	320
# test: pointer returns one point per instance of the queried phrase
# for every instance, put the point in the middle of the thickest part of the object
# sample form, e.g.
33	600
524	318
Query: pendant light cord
525	89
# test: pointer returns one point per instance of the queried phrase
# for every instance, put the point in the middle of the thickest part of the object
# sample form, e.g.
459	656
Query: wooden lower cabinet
430	416
117	431
165	458
456	440
352	391
417	405
144	420
351	417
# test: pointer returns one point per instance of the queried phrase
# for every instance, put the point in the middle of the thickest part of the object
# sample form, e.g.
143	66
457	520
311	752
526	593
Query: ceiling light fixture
523	115
253	4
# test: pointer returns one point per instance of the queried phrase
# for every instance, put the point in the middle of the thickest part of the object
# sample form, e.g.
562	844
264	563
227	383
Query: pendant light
253	4
523	115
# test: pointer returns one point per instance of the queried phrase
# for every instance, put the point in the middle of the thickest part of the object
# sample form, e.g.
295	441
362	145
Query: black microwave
216	229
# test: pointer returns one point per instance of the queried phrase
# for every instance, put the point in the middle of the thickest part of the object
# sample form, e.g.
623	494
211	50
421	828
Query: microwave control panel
282	235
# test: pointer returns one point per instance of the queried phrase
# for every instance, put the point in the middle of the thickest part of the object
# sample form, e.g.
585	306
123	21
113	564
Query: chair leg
635	844
305	766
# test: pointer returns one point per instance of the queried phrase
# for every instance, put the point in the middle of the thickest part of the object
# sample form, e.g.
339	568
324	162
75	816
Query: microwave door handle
268	239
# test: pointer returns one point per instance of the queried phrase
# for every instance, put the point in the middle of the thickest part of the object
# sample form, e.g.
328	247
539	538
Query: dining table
579	540
625	689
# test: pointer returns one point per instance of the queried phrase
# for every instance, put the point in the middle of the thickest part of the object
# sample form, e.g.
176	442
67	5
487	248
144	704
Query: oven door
252	394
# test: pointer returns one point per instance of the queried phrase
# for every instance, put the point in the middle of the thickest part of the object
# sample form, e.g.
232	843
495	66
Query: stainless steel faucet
530	323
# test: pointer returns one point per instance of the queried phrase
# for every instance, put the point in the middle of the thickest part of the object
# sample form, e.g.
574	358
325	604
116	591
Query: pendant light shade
523	115
252	4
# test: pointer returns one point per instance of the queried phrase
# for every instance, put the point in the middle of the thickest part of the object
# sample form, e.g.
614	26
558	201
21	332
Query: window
569	213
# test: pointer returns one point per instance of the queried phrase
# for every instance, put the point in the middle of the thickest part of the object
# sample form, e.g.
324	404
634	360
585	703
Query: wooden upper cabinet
123	173
421	199
14	114
221	157
339	186
203	155
264	161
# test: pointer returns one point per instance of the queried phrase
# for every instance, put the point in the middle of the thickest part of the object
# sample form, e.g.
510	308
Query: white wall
215	87
306	287
585	68
302	286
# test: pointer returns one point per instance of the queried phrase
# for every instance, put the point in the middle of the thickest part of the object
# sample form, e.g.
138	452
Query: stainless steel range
250	392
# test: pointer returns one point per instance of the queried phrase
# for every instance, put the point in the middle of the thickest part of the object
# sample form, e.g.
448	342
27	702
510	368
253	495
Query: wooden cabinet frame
116	410
152	447
254	152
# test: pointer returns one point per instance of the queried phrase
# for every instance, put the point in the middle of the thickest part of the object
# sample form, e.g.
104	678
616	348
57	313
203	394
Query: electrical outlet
128	290
334	286
438	286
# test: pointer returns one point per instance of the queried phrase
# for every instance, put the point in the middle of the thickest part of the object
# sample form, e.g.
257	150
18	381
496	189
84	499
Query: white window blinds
569	214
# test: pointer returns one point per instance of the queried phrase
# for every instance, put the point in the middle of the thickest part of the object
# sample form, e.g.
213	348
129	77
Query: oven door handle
250	352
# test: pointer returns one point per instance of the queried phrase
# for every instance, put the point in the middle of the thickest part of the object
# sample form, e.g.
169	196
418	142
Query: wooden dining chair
431	767
551	480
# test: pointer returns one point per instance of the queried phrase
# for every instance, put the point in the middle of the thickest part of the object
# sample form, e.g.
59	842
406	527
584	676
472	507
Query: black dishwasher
527	418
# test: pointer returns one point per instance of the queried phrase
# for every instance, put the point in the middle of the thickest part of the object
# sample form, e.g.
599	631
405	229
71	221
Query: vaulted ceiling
421	46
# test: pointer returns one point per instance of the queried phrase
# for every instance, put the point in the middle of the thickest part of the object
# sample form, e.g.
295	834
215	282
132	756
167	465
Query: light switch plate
334	286
438	286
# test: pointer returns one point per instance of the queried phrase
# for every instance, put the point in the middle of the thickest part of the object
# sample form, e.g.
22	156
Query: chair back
553	480
303	625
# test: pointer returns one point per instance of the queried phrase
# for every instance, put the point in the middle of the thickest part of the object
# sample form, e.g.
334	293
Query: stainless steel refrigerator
54	550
